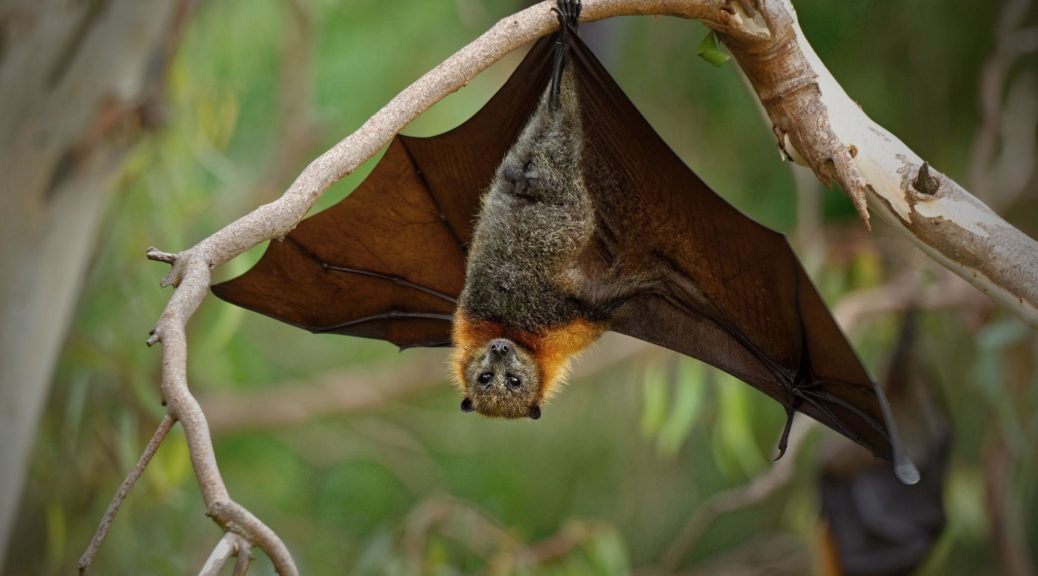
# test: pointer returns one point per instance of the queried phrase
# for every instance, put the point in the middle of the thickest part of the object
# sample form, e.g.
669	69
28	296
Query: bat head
501	379
509	373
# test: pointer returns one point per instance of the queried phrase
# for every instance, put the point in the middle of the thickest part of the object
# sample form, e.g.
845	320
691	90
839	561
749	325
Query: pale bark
817	123
76	81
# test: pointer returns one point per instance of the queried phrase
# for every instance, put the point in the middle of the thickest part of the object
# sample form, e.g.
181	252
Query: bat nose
500	347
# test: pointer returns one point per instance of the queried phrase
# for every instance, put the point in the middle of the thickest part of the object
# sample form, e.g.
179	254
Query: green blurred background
622	459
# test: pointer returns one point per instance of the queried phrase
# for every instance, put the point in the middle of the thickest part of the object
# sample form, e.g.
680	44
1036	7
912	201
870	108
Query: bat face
508	372
502	380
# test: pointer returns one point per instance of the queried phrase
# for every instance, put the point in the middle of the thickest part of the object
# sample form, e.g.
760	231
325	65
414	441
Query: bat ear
535	412
466	405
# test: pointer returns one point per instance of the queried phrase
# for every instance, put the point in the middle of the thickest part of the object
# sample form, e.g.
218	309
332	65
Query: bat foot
568	12
783	442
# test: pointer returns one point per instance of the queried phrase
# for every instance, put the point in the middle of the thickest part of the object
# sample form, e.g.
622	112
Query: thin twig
296	129
221	553
764	485
772	554
120	495
549	549
354	390
991	90
455	518
244	554
1007	526
902	293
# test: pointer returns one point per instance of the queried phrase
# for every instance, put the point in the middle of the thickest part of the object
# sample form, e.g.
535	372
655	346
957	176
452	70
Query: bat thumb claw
905	470
784	439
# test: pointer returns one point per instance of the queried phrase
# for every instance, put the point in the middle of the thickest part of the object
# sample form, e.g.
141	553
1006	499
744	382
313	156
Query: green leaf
57	531
734	438
688	397
608	553
654	408
710	50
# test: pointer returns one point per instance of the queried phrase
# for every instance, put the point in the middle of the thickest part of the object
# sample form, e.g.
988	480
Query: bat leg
605	294
784	439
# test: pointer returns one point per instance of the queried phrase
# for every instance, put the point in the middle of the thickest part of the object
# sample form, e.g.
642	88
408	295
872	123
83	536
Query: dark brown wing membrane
733	293
389	260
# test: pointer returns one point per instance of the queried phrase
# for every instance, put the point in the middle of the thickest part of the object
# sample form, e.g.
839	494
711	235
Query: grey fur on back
535	220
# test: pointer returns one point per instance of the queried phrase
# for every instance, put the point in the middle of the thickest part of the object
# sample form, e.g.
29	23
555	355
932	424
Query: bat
553	214
872	524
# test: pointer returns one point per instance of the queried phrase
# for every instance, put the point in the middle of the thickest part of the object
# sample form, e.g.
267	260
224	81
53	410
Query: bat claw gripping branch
568	12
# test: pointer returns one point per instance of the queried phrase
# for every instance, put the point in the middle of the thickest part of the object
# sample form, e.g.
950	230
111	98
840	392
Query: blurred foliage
617	465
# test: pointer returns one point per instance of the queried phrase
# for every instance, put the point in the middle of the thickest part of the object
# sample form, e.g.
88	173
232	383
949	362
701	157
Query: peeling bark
818	124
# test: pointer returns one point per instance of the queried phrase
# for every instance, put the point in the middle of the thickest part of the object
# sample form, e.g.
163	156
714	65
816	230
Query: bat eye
513	382
485	377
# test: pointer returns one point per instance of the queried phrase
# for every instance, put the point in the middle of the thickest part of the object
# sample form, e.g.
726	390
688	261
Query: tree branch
120	495
813	119
818	124
756	490
221	553
348	391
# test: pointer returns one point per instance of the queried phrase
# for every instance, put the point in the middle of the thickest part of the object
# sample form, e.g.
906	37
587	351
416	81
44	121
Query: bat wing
730	291
388	261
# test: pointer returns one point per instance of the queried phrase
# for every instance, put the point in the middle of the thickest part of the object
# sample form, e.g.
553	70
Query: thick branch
278	218
817	123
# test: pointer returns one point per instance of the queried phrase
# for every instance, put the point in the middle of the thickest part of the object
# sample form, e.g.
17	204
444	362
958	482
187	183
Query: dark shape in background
872	524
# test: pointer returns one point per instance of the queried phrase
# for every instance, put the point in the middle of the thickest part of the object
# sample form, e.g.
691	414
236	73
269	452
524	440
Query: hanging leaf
688	395
654	407
734	445
710	50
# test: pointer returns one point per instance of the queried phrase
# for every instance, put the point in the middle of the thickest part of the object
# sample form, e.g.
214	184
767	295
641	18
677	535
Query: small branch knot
159	256
924	183
178	263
